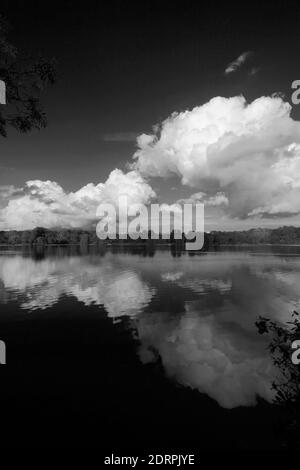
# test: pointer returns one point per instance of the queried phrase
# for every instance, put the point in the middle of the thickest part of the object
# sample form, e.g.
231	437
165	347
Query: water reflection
195	314
218	358
39	285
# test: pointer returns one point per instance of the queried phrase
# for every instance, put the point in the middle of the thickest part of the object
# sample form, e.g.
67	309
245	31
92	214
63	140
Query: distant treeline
42	236
257	236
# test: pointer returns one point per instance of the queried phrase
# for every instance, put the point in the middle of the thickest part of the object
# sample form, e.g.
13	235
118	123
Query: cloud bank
248	153
239	158
45	203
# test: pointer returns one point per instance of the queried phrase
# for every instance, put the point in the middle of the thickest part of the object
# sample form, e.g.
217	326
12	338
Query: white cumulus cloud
243	156
241	159
47	204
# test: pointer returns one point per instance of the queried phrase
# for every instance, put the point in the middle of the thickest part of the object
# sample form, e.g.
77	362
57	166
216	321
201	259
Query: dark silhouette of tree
84	239
287	382
37	234
25	79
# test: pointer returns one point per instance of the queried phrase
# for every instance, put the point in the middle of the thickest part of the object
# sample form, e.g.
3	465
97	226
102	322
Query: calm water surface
119	348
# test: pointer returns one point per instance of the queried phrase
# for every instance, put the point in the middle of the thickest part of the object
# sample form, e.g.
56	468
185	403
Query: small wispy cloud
8	191
120	137
237	63
2	92
254	71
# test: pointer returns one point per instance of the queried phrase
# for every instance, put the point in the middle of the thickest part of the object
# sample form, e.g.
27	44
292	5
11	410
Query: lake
131	347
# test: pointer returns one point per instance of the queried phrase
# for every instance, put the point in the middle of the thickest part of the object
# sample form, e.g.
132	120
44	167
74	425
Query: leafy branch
25	80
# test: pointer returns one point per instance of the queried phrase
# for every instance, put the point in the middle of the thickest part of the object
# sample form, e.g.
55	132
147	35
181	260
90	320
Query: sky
124	69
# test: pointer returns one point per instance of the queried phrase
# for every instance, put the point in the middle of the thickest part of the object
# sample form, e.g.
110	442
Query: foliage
25	79
284	235
44	236
279	236
287	383
73	237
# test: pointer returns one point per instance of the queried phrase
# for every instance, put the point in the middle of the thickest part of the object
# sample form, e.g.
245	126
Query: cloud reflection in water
208	342
42	284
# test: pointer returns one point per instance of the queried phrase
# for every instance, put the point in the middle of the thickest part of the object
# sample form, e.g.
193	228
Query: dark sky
124	66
